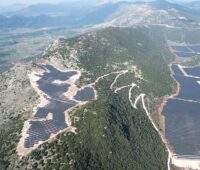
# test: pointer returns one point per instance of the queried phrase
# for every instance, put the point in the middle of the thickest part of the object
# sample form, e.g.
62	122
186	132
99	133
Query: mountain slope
111	134
106	14
153	13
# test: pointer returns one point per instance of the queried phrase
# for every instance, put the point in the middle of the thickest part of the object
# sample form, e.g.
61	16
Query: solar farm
186	51
50	118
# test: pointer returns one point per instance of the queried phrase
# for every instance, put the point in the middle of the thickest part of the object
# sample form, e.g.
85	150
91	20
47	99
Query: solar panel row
186	51
58	104
41	131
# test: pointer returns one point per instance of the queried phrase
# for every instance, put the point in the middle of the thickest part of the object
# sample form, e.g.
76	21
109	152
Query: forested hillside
110	133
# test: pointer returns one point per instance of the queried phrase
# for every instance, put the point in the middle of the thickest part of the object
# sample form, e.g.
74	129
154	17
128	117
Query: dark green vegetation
110	133
16	105
8	142
100	52
29	30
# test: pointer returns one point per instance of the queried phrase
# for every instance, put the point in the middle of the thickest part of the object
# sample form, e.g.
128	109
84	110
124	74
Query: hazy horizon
29	2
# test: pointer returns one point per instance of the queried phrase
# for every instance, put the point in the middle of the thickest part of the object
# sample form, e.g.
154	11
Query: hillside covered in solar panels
100	86
110	134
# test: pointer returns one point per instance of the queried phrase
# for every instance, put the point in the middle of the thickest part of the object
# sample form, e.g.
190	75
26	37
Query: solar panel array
85	94
182	114
186	51
41	129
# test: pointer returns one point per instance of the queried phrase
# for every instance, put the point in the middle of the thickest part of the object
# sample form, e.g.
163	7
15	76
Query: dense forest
110	133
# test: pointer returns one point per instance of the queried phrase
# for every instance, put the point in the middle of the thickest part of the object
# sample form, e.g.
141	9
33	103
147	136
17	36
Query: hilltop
111	123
